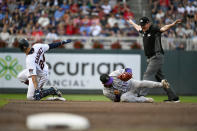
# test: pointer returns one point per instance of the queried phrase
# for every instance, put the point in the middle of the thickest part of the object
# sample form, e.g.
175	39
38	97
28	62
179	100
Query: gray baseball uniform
128	90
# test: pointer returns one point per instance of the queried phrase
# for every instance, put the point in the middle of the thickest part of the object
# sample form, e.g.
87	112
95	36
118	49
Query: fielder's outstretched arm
166	27
110	94
136	26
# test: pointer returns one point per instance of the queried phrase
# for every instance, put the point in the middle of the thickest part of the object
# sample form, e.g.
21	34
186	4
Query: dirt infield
106	116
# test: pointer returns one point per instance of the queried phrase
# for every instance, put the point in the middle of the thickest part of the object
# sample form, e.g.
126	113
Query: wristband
128	70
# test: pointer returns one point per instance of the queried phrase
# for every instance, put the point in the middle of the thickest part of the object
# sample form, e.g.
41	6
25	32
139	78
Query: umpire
154	52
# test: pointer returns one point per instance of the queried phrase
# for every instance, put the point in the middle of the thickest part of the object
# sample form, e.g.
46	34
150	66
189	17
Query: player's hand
177	21
116	92
66	41
125	76
37	95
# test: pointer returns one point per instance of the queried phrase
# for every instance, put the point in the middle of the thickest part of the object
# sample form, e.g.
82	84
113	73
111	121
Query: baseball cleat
149	100
165	84
56	92
174	100
56	99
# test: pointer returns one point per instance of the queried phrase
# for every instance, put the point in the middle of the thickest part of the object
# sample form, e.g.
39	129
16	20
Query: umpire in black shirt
154	52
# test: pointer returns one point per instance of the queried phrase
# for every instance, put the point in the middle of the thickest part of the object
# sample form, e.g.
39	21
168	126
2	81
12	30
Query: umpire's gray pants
154	71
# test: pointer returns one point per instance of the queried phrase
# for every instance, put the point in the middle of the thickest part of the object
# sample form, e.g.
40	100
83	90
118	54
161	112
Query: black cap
143	21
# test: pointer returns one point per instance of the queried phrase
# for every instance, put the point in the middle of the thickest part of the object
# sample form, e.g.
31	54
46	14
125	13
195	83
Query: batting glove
66	41
37	95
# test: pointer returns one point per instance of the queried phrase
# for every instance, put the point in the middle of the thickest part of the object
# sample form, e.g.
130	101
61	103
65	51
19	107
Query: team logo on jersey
9	67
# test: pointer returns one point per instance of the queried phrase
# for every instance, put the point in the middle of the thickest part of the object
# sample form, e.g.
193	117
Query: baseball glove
125	76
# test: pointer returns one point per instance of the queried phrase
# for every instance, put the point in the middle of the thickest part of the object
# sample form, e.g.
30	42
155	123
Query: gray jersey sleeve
109	93
116	73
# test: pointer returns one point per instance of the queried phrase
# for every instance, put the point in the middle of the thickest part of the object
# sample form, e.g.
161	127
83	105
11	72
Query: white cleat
149	100
56	99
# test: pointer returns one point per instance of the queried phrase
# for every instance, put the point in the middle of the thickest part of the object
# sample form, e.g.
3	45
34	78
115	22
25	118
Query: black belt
154	54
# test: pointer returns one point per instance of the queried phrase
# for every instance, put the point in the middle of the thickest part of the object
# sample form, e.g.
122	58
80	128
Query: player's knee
127	97
21	78
124	98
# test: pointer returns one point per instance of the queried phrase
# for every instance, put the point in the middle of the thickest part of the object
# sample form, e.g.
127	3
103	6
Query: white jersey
35	61
128	90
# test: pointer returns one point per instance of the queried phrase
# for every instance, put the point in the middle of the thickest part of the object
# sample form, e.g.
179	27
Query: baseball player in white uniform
36	73
120	86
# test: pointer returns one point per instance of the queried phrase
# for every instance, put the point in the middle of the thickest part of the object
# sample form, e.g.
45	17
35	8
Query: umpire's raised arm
136	26
166	27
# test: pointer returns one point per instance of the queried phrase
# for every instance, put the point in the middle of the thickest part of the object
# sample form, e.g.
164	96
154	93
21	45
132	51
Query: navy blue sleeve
54	45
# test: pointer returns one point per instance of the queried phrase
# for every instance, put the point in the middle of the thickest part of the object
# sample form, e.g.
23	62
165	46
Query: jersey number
41	64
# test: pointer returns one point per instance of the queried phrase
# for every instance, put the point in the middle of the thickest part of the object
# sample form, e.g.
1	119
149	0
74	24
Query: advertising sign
69	71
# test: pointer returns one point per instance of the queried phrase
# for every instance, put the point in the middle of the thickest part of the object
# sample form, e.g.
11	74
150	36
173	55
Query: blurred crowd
53	18
166	11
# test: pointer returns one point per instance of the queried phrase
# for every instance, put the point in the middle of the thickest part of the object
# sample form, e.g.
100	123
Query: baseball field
103	114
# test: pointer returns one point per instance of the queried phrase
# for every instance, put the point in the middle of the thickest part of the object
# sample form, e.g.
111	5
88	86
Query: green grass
184	99
13	96
4	98
69	97
85	97
3	102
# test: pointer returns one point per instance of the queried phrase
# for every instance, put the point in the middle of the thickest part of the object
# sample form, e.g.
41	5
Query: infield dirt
106	116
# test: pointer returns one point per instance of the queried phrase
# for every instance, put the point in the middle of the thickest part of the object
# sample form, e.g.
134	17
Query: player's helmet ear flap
23	44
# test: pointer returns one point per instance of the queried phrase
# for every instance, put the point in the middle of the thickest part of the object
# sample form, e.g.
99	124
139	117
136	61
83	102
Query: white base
46	121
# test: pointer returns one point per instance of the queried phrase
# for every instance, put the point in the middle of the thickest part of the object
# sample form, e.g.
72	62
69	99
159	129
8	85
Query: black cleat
55	91
174	100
